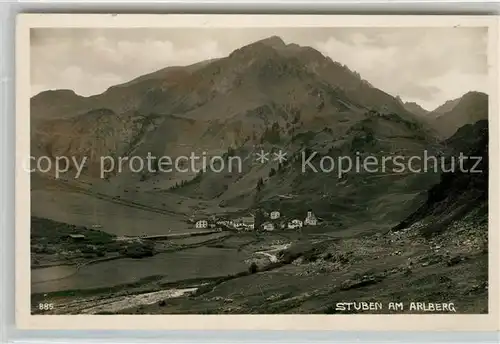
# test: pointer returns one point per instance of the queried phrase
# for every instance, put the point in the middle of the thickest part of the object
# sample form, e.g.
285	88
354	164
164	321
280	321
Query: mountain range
266	95
447	118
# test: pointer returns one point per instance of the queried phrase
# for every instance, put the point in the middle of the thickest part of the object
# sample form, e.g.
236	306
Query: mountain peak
472	94
468	109
271	45
451	104
56	92
415	108
273	41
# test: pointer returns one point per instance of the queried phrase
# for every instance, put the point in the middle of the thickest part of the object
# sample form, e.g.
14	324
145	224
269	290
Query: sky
424	65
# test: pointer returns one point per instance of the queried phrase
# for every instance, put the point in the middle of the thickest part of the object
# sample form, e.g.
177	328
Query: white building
268	226
311	219
248	222
201	224
295	224
275	215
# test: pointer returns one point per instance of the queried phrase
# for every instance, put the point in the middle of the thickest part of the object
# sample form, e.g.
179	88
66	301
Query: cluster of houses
276	222
272	221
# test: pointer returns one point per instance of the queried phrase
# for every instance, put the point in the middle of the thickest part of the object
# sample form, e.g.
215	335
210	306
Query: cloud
93	64
425	65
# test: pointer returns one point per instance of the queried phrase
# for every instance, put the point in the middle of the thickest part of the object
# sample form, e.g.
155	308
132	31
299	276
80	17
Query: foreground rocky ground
397	267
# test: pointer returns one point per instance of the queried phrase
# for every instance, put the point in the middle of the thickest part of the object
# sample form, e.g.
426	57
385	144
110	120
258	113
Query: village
268	221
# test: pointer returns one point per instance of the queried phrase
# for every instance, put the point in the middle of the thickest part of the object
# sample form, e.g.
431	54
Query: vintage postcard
270	172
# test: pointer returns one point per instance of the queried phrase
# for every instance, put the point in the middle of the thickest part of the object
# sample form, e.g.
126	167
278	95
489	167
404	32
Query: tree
253	268
156	165
260	184
271	135
281	168
259	218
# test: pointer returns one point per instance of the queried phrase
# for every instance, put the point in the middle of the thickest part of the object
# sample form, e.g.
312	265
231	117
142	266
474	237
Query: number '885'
45	306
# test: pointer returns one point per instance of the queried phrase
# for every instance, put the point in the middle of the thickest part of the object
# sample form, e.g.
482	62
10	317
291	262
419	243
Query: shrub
139	250
287	257
311	255
87	250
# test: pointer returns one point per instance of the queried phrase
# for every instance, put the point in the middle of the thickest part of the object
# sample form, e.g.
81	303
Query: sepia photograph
272	169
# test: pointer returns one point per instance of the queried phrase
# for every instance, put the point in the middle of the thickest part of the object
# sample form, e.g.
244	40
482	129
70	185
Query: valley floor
294	273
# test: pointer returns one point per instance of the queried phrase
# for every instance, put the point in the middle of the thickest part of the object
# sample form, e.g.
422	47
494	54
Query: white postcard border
455	322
